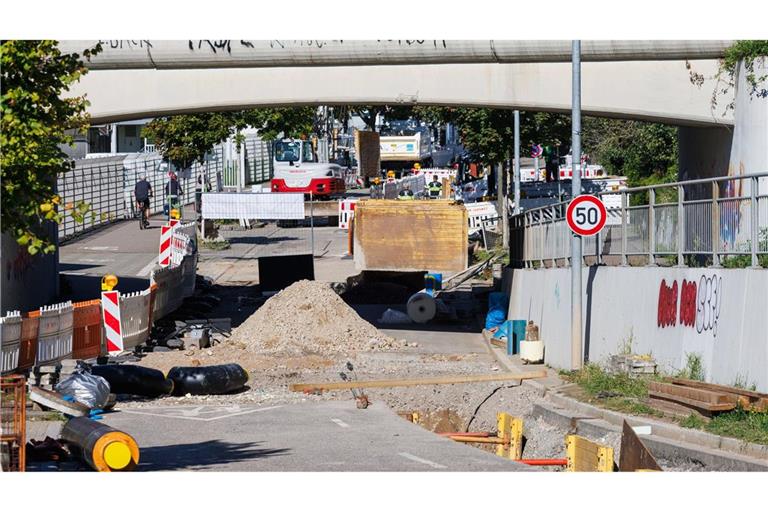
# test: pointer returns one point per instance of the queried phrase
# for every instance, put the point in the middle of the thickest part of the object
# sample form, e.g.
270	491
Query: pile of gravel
309	318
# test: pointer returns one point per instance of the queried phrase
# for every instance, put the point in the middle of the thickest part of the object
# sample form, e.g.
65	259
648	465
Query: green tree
34	124
184	139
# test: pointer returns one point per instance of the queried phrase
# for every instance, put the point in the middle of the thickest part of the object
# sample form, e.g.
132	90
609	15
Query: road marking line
101	248
194	418
339	422
423	461
148	268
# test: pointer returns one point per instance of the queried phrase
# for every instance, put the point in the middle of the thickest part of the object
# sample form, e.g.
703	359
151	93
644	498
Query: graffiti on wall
694	304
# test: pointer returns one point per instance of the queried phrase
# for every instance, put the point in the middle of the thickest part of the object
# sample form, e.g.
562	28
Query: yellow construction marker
584	455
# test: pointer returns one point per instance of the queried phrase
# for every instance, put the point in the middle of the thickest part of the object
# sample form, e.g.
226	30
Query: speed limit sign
586	215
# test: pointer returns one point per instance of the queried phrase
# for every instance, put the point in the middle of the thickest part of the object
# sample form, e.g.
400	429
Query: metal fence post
680	225
754	221
542	238
715	223
651	228
624	219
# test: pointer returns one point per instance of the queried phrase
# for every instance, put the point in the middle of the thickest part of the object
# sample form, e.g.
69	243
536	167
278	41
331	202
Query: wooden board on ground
748	399
634	455
410	236
56	401
427	381
699	395
706	407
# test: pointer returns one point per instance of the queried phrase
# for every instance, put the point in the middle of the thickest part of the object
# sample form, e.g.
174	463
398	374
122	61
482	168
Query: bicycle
143	208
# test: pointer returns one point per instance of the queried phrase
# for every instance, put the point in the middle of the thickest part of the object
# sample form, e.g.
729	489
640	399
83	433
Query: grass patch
748	426
216	245
694	368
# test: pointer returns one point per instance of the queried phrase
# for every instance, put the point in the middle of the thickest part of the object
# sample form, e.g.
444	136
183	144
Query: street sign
586	215
536	151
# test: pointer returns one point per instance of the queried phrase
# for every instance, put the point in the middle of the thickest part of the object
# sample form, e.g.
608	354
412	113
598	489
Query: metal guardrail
705	219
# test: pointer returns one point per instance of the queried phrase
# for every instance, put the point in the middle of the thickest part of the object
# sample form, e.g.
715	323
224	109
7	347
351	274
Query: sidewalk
667	440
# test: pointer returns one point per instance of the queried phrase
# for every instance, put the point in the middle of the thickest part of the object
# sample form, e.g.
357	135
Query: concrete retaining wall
719	314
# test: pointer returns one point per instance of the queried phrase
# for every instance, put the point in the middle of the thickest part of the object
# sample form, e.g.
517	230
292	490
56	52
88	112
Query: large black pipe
208	380
134	380
101	446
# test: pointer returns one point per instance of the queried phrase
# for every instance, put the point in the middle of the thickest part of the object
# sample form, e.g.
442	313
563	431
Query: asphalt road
325	436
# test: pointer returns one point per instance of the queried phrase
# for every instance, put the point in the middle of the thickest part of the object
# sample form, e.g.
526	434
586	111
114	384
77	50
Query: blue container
514	332
433	283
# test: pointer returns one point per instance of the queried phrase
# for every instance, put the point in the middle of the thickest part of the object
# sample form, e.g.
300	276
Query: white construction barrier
54	341
112	321
482	214
441	174
10	338
415	183
134	318
174	284
164	256
346	212
246	205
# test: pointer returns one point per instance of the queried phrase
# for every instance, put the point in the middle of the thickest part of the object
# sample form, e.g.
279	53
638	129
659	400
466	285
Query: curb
692	439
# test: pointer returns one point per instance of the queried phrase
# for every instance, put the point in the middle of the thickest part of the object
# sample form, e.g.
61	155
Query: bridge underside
658	91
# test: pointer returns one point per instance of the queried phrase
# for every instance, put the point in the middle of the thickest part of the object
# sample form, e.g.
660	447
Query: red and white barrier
346	212
110	307
166	233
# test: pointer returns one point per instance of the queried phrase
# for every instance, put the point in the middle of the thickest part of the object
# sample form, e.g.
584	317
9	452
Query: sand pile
309	318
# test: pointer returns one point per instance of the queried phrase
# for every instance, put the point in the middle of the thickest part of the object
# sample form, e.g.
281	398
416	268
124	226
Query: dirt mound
309	318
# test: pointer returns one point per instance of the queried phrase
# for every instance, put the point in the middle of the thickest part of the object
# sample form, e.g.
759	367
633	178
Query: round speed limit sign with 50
586	215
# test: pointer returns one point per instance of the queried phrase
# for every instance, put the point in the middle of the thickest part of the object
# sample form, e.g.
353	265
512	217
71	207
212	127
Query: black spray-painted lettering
126	43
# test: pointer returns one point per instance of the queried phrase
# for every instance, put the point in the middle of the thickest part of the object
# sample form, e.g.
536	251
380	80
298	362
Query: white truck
404	143
297	170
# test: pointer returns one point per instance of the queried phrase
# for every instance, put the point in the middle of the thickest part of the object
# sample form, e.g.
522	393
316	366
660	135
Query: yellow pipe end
117	455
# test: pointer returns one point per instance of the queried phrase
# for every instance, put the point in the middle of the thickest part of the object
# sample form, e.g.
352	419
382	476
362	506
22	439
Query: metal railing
704	222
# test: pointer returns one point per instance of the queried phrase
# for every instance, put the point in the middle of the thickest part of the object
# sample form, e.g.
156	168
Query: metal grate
12	423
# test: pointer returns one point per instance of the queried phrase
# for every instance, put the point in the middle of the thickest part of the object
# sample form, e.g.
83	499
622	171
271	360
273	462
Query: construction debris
309	318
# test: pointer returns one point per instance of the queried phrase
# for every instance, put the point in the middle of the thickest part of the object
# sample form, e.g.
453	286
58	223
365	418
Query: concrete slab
326	436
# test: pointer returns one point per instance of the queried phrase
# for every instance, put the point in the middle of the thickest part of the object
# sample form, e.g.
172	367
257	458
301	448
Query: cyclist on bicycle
143	191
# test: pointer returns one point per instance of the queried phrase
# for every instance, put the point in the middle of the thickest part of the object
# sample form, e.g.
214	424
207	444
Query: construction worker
416	169
406	194
391	176
377	189
434	188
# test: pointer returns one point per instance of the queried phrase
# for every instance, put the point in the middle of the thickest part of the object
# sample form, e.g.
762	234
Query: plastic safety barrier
130	379
55	333
346	212
482	214
86	329
208	380
10	337
134	318
174	284
415	183
30	326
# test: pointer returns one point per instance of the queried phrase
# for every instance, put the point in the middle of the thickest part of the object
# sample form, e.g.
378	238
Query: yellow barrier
584	455
510	430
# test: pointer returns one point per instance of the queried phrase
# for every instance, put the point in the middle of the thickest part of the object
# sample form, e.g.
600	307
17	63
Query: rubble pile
309	318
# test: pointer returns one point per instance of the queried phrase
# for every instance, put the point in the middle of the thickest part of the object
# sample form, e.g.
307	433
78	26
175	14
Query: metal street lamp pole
517	162
577	357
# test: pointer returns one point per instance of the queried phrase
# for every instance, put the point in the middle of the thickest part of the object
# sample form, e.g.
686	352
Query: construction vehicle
297	169
405	143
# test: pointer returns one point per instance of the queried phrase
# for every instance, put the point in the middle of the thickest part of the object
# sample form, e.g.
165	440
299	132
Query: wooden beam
704	406
427	381
700	395
634	456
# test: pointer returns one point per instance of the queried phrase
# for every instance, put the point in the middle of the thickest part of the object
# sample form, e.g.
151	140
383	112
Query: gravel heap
309	318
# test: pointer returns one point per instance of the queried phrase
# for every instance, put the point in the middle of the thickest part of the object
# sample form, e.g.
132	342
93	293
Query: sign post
577	357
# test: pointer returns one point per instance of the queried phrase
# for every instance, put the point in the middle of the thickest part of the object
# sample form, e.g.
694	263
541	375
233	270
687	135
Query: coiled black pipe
208	380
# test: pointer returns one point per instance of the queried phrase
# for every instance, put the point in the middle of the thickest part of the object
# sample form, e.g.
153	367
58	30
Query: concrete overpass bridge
645	80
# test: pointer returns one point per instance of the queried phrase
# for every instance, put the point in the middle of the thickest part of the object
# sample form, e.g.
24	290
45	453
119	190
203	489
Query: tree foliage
185	139
34	124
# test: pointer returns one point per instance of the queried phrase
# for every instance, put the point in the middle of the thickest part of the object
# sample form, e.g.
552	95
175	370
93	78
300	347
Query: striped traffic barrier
164	259
110	306
346	212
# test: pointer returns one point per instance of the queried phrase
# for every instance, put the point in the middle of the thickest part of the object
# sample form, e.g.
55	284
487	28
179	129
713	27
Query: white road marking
185	415
101	248
423	461
339	422
95	260
148	268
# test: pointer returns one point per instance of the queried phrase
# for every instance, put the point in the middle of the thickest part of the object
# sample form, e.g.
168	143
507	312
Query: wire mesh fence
712	220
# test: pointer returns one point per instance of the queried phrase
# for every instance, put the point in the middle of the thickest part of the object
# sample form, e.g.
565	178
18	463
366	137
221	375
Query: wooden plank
700	395
584	455
718	387
498	343
704	406
427	381
634	455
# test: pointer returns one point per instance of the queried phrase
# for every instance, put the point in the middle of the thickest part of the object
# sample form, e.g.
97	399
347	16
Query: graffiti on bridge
698	305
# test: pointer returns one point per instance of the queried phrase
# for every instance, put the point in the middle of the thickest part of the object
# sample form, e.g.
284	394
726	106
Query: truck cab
297	169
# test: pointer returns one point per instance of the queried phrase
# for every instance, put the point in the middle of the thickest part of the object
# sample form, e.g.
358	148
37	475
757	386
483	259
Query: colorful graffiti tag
699	304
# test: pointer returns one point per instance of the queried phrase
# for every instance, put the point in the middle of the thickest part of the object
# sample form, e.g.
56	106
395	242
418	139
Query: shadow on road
261	240
201	455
